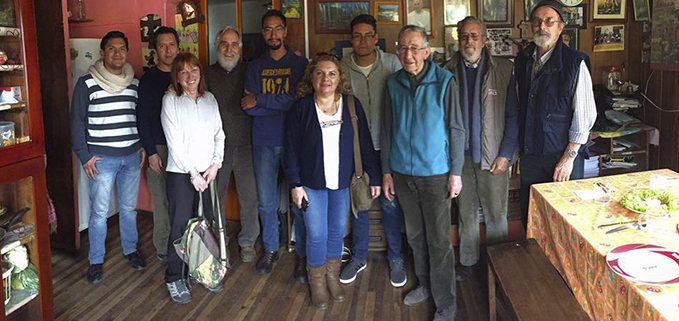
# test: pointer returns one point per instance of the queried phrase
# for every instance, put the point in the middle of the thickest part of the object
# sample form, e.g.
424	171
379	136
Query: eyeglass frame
537	22
412	50
277	29
361	37
467	36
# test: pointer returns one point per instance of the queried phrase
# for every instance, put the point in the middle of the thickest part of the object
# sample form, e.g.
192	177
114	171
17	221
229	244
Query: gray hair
232	29
416	29
471	19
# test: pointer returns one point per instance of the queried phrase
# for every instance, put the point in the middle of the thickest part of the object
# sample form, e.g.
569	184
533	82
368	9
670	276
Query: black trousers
183	202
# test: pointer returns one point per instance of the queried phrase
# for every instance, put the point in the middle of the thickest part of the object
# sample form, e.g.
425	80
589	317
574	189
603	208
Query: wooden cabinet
631	148
22	163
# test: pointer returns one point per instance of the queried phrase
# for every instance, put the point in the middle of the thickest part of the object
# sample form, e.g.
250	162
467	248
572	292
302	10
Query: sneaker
397	274
178	292
447	314
136	260
265	264
95	272
351	270
463	272
247	254
161	257
417	296
300	270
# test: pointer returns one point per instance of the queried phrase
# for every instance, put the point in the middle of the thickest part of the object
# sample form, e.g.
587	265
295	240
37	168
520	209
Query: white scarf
111	83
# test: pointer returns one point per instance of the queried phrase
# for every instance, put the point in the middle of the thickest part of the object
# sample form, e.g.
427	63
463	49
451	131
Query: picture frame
190	11
387	12
498	42
576	17
608	9
334	16
292	9
496	13
528	6
7	14
571	37
641	10
450	41
455	10
609	38
420	13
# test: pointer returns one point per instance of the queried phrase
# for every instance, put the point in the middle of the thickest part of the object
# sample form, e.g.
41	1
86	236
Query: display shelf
11	67
10	32
15	106
18	299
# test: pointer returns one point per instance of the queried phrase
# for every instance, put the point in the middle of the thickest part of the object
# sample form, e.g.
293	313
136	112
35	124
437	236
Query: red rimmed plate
645	263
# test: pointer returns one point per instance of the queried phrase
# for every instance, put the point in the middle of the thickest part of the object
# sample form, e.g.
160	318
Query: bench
532	287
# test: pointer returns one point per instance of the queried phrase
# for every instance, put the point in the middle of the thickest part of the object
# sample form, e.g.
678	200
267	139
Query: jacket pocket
555	127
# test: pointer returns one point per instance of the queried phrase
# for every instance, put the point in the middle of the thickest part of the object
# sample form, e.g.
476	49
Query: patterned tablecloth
566	229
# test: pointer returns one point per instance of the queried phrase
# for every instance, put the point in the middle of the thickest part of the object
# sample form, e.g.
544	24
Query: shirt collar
545	57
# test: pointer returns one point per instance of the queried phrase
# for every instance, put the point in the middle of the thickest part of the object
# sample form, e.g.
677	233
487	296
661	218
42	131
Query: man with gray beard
556	104
488	105
225	80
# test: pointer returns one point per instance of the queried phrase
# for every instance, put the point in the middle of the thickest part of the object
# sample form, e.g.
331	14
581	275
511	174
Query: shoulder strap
358	164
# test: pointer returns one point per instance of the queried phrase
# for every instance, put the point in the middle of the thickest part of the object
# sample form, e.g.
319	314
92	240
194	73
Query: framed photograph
664	36
528	6
455	10
292	9
609	9
569	36
450	41
496	13
609	38
641	11
387	12
420	13
499	43
335	16
576	16
7	18
190	12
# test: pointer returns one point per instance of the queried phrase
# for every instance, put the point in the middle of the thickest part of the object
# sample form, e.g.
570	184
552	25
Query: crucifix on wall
148	25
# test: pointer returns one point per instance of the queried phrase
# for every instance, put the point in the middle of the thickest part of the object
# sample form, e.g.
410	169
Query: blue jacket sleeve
79	106
144	110
293	143
510	139
369	156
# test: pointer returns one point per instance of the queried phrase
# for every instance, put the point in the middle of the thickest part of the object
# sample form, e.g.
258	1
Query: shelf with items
621	154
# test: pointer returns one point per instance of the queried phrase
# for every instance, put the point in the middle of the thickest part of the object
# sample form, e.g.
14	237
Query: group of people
427	134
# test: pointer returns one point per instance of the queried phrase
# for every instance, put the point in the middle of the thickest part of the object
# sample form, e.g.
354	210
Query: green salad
650	201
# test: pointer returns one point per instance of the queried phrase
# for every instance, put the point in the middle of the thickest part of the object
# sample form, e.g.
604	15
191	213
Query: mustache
542	32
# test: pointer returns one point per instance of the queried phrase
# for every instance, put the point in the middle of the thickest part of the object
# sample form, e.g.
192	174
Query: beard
228	64
471	57
543	39
274	47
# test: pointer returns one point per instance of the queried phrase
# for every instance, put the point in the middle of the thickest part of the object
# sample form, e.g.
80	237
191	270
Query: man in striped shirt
105	139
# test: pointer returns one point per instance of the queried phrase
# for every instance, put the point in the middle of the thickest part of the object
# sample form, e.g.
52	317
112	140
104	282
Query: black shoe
136	260
94	272
265	264
161	257
300	270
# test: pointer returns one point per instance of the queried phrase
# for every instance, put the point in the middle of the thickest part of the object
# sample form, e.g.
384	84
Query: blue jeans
125	173
325	220
391	218
267	161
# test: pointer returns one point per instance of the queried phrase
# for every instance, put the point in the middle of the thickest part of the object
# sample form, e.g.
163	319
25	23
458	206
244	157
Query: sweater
103	124
274	83
152	87
227	87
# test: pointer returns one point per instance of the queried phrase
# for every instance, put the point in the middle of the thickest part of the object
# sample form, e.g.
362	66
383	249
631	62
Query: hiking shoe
351	270
265	264
417	296
247	254
94	272
463	272
161	257
300	270
179	292
397	274
136	260
447	314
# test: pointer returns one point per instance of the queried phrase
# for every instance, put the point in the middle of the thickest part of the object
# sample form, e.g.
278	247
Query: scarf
113	84
471	109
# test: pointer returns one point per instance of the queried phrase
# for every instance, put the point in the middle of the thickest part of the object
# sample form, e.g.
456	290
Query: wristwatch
572	153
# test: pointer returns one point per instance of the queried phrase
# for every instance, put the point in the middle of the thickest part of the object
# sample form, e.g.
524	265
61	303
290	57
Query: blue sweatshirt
274	82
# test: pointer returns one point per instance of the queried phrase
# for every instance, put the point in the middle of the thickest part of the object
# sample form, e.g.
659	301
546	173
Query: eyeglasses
548	23
227	45
413	50
473	36
277	29
358	36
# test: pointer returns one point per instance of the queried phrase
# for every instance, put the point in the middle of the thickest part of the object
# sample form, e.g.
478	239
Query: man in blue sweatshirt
270	83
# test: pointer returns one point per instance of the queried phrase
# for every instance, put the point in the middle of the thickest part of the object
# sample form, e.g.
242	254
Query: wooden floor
127	294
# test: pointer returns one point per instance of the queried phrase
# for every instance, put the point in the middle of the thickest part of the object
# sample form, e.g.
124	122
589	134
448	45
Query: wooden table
565	228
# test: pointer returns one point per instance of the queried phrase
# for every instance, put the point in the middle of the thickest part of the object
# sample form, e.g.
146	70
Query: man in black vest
556	104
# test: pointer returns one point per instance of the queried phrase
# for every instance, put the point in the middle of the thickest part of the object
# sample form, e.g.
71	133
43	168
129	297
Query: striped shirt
102	123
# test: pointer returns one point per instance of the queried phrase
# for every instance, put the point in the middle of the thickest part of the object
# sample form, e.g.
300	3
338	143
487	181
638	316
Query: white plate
645	263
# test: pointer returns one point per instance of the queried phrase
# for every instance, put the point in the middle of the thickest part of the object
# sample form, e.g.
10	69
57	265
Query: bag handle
358	164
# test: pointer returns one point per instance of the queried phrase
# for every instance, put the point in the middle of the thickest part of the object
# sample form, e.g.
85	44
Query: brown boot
319	288
333	271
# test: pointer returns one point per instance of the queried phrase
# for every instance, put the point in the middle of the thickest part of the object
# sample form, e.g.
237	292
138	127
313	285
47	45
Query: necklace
334	106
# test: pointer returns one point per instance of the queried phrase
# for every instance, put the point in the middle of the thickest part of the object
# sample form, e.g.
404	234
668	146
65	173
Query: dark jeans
426	209
267	161
183	199
536	169
360	230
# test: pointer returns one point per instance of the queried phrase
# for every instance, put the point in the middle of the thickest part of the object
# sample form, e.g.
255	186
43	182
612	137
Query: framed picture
455	10
576	16
452	44
292	9
344	48
335	16
420	13
387	12
528	6
569	36
499	43
609	9
609	38
7	18
641	11
190	12
496	13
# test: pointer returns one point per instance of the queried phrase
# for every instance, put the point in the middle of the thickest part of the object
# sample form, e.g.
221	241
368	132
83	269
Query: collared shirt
584	107
472	65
